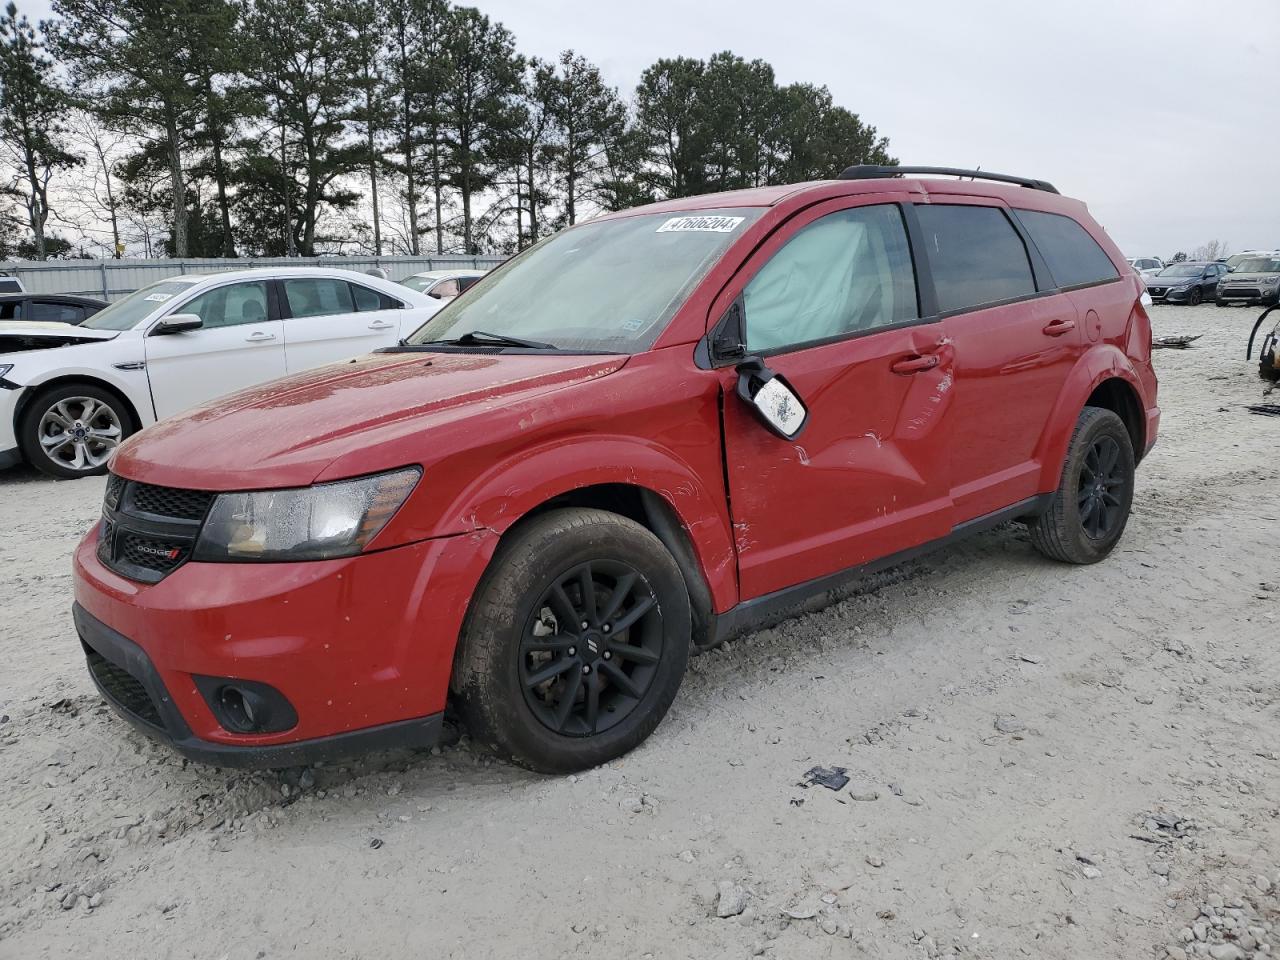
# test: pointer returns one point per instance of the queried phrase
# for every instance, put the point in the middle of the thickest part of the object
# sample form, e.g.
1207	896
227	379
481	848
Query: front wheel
1220	302
576	642
1196	296
1090	508
71	431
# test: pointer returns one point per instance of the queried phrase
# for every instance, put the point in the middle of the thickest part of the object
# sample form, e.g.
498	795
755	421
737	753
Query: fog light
246	706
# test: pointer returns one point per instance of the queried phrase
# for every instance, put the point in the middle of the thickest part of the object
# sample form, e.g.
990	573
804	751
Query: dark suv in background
1254	281
1191	282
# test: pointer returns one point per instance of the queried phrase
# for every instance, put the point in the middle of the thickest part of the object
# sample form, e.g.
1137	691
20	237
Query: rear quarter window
1072	255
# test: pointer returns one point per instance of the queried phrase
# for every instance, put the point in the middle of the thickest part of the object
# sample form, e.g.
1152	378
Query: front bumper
361	648
10	455
1167	295
1266	296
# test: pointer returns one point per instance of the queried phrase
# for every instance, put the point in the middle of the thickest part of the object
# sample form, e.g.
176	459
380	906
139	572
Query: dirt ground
1047	761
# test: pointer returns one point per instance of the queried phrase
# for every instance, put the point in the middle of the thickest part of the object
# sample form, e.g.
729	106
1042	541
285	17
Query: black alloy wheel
1195	297
1101	483
590	649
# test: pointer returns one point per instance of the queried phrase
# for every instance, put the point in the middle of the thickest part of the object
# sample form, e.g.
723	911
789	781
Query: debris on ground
833	778
1175	342
1265	409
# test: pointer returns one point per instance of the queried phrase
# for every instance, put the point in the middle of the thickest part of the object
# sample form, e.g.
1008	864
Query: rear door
830	303
1015	341
329	319
241	344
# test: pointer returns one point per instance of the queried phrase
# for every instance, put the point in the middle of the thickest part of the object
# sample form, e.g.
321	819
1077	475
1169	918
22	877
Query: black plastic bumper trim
10	458
128	656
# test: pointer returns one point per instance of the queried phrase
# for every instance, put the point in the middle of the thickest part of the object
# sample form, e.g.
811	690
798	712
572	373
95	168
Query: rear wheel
71	430
576	643
1090	508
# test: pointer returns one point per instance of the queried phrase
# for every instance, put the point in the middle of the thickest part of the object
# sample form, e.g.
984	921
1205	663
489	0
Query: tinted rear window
975	255
1072	255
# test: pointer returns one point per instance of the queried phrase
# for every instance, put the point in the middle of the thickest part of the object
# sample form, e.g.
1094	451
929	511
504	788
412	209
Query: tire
1267	368
92	422
508	690
1084	521
1220	302
1196	297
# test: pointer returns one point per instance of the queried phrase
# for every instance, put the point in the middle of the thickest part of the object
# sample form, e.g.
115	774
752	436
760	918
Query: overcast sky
1163	115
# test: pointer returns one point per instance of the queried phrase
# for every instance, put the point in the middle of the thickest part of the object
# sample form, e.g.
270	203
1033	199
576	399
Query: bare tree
92	204
1213	250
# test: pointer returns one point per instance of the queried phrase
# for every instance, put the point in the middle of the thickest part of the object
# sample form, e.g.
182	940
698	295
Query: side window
9	311
465	283
844	273
366	299
1073	256
444	289
975	255
231	305
318	297
49	311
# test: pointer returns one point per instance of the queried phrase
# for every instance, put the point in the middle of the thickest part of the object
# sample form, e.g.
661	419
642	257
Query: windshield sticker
701	225
158	297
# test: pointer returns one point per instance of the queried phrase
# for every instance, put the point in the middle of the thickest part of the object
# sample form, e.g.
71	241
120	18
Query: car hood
287	433
17	336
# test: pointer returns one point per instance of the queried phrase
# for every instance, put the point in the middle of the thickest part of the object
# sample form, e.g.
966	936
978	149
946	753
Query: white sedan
70	395
442	284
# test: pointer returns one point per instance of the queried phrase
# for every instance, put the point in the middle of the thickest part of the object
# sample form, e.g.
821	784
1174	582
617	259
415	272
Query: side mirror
776	405
177	323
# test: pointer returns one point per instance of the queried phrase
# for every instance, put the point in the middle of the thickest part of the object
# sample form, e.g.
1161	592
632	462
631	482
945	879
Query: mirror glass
780	408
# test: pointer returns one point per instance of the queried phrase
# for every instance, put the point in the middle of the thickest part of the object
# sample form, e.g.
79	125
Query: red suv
641	435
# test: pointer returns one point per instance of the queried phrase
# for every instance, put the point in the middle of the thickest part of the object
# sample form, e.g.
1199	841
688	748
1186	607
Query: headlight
308	523
1275	279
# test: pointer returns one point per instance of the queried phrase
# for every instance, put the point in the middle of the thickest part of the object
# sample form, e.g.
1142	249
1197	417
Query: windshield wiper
481	338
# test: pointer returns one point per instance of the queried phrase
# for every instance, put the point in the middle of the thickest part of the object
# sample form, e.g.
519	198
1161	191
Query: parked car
1189	282
10	284
442	284
71	394
1255	280
1236	259
1146	266
644	434
47	308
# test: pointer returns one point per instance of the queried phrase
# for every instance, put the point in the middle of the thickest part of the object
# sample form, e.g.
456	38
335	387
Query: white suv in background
70	395
1146	266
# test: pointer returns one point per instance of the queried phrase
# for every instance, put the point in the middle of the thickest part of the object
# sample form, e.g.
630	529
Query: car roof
800	194
448	274
299	272
61	297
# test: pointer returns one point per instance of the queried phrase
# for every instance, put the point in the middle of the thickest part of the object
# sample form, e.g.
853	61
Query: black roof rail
871	171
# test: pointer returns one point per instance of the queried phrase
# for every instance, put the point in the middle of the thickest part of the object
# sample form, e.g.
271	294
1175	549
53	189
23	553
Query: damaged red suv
642	435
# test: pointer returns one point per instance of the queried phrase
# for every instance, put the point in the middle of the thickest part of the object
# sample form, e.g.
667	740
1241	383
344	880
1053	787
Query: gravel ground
1046	761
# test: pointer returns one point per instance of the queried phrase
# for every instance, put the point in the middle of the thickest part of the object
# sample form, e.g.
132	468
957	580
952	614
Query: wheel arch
656	514
34	390
1103	377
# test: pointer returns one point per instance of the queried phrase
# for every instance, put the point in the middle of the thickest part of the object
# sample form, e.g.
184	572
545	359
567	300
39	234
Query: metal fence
111	279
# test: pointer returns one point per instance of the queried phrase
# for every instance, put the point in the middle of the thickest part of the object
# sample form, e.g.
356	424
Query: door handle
381	325
909	365
1056	328
260	337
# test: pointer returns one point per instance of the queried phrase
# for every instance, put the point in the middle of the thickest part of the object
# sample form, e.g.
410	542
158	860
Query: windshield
125	314
1182	270
609	286
1258	265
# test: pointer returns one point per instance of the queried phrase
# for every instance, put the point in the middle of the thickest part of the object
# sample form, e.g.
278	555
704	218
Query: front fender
1101	363
508	490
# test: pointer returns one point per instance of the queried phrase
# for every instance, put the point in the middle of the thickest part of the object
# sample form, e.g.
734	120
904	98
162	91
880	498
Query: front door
830	303
240	345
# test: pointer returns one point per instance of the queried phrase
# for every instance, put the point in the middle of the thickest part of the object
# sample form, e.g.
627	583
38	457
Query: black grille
124	688
150	553
171	502
149	531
